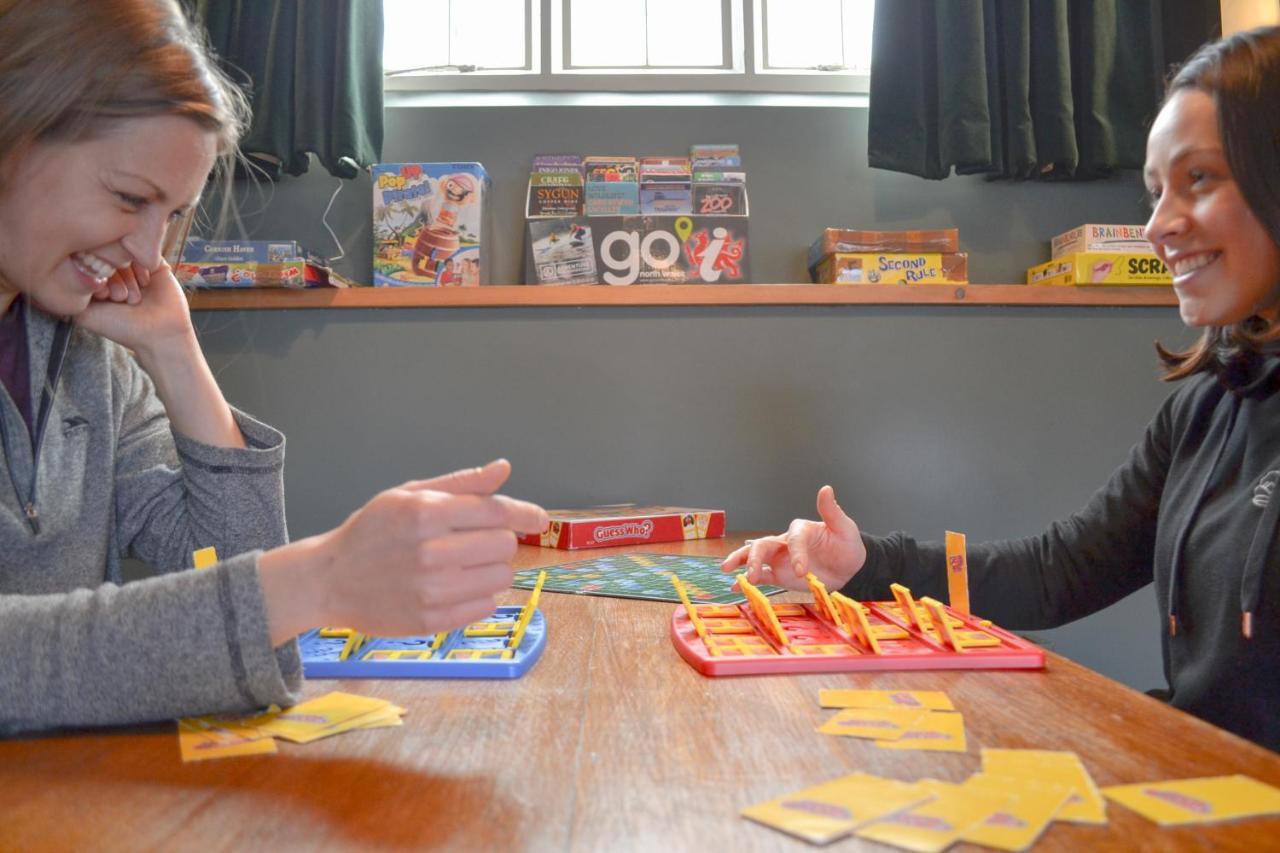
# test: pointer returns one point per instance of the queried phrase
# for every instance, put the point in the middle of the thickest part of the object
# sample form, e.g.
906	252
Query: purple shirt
14	360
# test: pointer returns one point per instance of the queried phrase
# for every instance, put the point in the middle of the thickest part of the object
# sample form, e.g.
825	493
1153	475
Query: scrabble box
893	268
626	524
1101	268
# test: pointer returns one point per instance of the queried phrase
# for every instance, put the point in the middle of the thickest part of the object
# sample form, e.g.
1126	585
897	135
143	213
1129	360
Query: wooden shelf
507	296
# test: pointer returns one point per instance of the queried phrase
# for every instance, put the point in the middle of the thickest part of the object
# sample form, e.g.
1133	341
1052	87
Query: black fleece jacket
1195	509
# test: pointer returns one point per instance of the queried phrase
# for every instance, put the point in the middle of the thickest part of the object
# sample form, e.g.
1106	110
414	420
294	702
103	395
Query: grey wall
806	170
992	421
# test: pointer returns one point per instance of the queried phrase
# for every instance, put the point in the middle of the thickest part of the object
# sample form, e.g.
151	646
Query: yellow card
1206	800
201	741
1023	819
1085	805
932	700
957	573
385	718
319	717
936	731
937	824
204	558
875	723
832	810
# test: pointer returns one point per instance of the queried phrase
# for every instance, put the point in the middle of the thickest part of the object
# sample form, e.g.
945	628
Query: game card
832	810
321	717
1085	805
935	731
933	700
203	738
1022	819
937	824
874	723
1206	800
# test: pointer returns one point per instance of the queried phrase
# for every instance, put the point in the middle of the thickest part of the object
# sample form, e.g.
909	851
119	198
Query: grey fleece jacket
112	479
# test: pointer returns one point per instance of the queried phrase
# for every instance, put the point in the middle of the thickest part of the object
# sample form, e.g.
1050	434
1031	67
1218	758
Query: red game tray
837	634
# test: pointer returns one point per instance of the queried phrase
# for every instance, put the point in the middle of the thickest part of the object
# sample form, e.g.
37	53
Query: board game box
1101	268
1101	238
833	240
626	524
427	223
893	268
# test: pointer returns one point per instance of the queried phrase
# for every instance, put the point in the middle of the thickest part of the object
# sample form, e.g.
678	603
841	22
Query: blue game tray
455	655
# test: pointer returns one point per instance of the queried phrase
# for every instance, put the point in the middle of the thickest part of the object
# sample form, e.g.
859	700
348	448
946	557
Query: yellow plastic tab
763	608
488	629
526	612
480	654
907	606
688	607
718	611
204	558
940	618
821	600
354	641
957	573
855	616
398	654
727	626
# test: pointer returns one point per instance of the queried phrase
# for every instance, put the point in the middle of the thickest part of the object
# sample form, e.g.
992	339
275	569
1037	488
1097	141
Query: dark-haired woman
1196	507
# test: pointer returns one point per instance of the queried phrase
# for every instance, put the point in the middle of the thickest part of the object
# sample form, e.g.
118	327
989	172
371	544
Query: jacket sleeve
175	495
193	642
1079	565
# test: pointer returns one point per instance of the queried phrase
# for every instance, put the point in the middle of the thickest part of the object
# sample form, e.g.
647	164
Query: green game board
640	576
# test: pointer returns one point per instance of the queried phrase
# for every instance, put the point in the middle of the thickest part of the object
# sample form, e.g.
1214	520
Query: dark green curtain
1022	88
315	78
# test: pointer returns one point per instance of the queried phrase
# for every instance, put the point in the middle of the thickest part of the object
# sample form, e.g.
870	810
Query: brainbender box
626	524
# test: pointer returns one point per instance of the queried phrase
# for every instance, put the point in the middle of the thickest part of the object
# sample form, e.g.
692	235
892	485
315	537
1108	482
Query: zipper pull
33	516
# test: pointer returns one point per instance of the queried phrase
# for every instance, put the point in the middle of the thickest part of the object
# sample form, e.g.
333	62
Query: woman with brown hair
1195	507
115	439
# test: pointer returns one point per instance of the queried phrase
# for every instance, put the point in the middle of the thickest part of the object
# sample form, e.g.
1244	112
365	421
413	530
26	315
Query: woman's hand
144	310
423	557
832	549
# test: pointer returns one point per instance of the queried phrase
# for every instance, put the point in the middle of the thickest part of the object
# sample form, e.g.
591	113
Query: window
629	45
814	35
424	37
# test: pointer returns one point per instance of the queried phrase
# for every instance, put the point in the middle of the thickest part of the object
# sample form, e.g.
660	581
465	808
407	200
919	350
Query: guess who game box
626	524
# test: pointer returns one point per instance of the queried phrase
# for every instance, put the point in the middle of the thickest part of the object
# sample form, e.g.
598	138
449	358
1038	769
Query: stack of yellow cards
202	738
896	719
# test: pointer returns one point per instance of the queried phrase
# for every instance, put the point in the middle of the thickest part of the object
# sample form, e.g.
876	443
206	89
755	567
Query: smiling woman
1213	172
115	438
1193	510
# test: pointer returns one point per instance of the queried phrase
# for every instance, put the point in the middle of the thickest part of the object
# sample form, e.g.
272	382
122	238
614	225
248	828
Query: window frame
546	21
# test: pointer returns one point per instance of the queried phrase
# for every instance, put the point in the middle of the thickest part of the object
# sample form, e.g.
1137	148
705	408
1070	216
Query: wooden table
610	743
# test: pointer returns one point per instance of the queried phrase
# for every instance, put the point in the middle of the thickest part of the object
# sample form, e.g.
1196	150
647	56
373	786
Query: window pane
404	22
804	33
605	33
686	33
487	33
857	34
